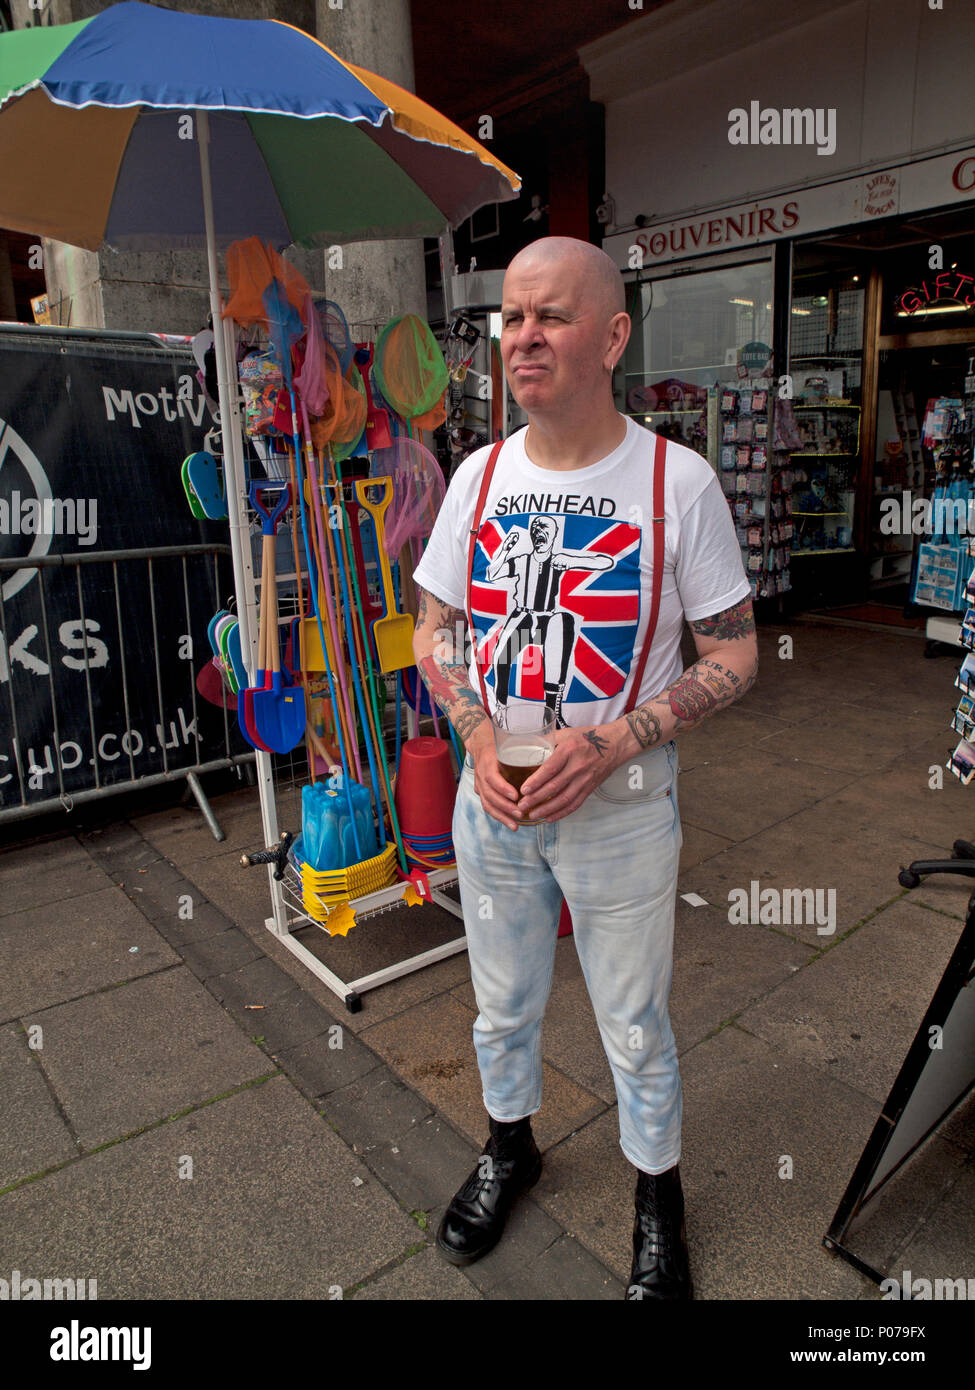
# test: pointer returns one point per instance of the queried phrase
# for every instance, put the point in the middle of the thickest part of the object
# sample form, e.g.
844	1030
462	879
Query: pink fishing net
312	382
418	491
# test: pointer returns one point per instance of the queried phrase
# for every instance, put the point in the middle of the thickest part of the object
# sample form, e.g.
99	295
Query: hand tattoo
600	744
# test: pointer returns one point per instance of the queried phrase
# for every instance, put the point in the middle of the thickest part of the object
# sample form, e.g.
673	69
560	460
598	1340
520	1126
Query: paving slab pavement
34	1135
121	1059
854	1010
276	1206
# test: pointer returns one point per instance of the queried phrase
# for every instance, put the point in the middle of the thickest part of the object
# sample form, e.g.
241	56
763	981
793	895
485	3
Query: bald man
604	831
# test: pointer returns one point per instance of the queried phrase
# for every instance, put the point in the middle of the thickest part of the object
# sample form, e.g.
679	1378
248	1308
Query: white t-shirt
563	570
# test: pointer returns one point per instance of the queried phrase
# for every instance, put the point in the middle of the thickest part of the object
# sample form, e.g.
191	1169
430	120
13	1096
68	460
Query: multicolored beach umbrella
146	128
99	125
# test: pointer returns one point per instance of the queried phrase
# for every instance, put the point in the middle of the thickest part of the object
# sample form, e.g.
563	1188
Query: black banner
98	662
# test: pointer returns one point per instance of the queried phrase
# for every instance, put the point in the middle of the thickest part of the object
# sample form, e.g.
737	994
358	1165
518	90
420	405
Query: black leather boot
661	1268
474	1221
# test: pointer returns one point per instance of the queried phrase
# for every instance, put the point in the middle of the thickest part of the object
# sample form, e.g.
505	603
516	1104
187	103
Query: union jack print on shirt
561	595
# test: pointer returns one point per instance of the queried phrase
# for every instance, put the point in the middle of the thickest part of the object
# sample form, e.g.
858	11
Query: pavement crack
135	1133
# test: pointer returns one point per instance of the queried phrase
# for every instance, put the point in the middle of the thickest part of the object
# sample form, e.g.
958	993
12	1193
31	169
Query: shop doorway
921	440
911	370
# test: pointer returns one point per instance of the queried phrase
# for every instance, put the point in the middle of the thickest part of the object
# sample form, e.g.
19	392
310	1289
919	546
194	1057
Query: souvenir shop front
822	357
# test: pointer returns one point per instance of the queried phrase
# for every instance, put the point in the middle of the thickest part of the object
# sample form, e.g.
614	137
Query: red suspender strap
659	460
471	548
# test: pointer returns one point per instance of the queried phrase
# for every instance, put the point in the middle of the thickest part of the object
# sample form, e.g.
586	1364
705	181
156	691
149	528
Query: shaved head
601	279
564	327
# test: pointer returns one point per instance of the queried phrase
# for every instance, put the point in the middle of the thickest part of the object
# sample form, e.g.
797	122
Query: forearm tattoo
645	725
444	672
703	688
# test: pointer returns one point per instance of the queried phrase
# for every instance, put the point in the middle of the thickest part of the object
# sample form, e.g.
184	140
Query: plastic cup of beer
524	736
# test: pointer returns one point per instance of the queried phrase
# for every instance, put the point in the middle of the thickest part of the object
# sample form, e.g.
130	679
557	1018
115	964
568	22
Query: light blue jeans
615	862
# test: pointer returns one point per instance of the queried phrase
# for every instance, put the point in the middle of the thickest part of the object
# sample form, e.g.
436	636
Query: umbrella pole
233	482
233	465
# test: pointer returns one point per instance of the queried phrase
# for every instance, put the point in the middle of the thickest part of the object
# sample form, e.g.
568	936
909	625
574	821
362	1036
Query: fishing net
284	326
311	381
251	267
335	331
357	407
344	416
411	372
418	491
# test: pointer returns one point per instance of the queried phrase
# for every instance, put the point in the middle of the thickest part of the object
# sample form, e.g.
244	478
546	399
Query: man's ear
618	337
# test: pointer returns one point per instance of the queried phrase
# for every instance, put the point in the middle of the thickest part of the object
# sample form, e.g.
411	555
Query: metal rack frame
287	908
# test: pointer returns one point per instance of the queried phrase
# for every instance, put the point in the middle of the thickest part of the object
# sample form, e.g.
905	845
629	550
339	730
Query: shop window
689	335
698	370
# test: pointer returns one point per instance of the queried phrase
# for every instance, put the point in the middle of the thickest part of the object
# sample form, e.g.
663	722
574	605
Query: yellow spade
394	633
312	656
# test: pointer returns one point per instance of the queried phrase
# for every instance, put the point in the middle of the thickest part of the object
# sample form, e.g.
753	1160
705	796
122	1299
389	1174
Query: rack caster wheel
353	1002
908	880
963	849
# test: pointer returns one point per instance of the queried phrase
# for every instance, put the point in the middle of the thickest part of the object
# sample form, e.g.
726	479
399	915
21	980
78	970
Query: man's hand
582	760
498	796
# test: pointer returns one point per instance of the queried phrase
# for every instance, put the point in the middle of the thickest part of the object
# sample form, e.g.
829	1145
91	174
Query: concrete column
378	279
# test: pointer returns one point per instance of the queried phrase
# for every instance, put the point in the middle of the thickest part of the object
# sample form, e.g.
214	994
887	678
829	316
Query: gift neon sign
949	285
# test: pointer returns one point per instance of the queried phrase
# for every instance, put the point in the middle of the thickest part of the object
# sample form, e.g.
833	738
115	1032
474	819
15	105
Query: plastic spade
279	709
245	698
394	633
262	680
377	421
370	610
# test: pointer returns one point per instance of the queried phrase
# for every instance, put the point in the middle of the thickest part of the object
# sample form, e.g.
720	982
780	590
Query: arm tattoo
645	726
705	687
733	622
600	744
424	600
689	698
444	672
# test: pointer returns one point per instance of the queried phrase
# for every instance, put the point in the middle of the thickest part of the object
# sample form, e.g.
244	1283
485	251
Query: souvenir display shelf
826	462
732	426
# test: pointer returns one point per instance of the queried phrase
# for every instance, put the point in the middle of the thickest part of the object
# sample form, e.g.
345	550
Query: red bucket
425	787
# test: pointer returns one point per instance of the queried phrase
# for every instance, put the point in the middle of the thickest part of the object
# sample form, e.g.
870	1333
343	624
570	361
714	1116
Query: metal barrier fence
98	676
